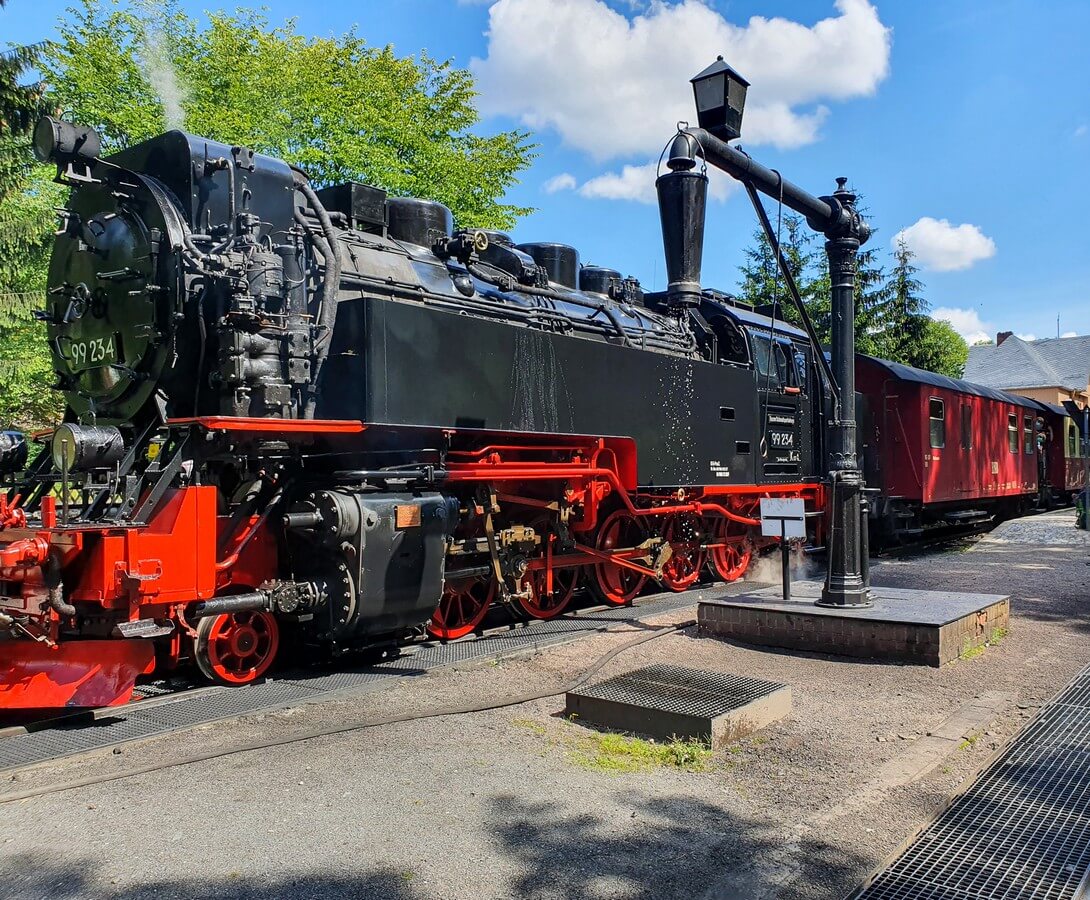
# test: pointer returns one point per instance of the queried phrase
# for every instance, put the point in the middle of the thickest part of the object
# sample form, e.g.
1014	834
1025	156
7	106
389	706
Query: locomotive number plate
93	352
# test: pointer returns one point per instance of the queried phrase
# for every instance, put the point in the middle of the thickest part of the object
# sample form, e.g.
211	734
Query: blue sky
967	123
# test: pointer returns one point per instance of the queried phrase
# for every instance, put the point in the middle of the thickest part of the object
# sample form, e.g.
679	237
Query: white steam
767	569
156	64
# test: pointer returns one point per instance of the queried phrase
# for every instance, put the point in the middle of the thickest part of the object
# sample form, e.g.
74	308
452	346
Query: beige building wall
1055	395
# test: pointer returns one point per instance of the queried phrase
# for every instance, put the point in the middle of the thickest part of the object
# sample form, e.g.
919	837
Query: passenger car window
1027	434
936	412
966	427
1012	432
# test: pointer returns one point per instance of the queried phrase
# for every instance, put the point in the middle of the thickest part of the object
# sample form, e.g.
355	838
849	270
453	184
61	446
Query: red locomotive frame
154	574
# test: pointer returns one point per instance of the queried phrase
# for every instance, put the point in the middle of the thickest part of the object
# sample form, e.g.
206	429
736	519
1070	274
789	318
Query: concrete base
924	627
667	701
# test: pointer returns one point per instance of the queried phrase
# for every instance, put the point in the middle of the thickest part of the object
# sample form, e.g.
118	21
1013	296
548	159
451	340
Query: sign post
784	519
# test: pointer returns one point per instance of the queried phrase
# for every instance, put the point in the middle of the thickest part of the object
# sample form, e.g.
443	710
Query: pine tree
905	328
808	264
763	285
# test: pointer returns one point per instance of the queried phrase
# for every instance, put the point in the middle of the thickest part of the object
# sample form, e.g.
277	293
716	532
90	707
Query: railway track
163	710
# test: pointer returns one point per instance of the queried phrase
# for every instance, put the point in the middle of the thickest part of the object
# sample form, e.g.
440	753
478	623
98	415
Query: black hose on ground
327	315
358	725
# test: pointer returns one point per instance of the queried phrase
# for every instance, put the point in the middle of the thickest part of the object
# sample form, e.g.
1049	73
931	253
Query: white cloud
565	181
1082	131
616	86
631	183
1027	337
1069	334
943	247
966	322
638	183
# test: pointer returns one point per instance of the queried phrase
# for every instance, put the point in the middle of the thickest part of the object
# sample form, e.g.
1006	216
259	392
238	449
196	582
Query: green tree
906	316
335	106
27	200
762	284
940	349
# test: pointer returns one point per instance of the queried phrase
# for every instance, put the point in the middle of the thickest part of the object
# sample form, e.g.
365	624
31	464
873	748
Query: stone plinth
922	627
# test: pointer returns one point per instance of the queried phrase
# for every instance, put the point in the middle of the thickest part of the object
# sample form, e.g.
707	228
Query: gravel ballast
510	803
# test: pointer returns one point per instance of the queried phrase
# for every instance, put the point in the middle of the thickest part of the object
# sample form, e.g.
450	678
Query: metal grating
679	689
159	715
1022	829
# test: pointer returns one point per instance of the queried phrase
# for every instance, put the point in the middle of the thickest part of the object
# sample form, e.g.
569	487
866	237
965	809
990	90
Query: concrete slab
666	701
923	627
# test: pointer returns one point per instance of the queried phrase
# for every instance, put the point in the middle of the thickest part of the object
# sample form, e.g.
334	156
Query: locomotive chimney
683	197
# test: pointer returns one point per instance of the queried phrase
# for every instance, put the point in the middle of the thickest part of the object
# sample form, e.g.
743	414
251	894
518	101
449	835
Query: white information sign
785	517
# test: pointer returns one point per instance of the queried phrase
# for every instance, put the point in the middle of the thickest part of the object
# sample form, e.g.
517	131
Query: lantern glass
710	92
720	95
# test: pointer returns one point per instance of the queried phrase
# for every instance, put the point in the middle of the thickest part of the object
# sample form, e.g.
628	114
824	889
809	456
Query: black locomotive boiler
328	413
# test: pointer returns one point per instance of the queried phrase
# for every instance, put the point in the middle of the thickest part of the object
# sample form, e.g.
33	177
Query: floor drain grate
1022	829
665	701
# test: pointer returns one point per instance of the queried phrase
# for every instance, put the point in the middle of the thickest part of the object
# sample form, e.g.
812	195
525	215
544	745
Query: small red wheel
684	533
540	605
617	585
237	648
729	562
461	608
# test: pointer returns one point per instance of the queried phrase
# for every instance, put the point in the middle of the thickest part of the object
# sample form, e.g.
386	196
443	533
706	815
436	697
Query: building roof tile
1050	362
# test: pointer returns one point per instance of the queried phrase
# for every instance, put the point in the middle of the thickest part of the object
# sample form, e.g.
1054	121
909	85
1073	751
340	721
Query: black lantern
720	98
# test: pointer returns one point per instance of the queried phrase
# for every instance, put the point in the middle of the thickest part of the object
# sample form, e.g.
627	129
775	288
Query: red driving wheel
617	585
461	608
541	604
729	562
684	533
237	648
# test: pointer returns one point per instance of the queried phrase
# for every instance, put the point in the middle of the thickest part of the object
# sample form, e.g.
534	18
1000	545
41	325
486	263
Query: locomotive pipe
51	574
327	314
683	198
471	572
230	604
847	577
477	270
820	215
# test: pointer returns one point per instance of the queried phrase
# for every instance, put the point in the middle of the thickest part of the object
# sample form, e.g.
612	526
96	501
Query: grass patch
970	652
969	742
997	635
619	753
529	725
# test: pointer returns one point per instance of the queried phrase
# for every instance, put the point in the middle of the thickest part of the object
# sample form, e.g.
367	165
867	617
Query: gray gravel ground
498	804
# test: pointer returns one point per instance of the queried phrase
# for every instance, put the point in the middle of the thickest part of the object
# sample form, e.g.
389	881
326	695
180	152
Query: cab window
936	414
775	362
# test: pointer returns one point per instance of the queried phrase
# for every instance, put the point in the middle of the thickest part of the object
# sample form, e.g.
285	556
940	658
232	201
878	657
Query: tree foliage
335	106
27	200
891	319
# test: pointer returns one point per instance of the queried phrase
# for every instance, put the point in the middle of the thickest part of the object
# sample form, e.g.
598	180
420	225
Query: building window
966	427
1012	432
1027	434
936	412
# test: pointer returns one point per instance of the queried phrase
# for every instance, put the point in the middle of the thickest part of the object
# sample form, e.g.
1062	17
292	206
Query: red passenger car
942	452
1063	470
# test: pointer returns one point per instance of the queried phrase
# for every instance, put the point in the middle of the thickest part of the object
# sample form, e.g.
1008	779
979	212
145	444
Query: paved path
501	804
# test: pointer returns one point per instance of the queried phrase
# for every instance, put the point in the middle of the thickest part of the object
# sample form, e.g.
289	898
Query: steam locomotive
326	416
